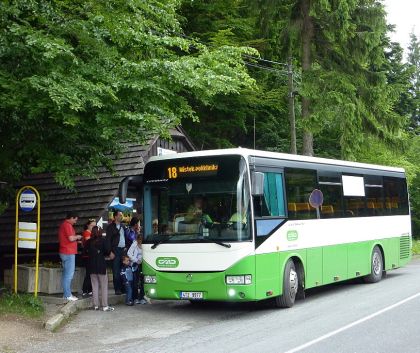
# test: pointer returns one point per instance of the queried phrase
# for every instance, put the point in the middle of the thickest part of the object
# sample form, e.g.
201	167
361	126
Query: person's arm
70	233
130	252
140	257
123	276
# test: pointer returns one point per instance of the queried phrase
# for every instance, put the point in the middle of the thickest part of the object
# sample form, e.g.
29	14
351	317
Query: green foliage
414	90
229	120
80	78
416	247
21	304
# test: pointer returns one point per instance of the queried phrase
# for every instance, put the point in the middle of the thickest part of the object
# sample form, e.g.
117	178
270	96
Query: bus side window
374	195
330	185
299	185
396	198
271	204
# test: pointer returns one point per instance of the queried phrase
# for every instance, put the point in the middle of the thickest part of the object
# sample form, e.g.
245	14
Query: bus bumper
207	286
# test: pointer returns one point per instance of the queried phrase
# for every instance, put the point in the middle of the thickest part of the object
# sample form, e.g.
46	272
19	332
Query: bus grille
404	247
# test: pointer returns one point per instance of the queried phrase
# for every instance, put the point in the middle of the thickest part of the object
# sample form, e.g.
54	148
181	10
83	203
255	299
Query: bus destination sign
183	171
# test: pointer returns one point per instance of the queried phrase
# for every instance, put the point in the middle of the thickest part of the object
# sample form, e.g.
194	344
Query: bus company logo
292	235
168	262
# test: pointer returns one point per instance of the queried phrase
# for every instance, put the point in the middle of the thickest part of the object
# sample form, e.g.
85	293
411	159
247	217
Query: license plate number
191	295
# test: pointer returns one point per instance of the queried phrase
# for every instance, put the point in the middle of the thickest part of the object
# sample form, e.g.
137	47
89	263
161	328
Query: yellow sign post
27	233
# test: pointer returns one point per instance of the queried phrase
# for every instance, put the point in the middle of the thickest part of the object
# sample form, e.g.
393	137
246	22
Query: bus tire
376	265
290	286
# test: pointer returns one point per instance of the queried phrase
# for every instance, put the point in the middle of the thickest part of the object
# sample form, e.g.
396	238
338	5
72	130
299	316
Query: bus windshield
197	200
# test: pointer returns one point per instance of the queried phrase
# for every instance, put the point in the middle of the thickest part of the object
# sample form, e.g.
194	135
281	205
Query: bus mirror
257	184
122	189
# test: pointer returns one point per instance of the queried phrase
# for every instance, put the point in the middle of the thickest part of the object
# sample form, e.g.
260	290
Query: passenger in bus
195	213
155	226
238	220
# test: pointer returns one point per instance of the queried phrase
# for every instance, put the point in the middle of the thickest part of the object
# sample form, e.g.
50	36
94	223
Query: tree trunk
307	35
291	100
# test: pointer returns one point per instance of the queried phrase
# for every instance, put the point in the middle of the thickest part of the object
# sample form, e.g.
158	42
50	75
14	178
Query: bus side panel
313	267
390	249
359	255
269	275
334	263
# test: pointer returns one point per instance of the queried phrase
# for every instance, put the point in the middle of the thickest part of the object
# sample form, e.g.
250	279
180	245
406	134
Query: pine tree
414	91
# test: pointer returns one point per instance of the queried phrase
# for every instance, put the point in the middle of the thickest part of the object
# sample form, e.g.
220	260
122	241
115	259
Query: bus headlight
241	279
150	279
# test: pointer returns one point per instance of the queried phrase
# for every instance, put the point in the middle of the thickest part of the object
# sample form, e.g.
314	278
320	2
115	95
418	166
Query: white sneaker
108	308
72	298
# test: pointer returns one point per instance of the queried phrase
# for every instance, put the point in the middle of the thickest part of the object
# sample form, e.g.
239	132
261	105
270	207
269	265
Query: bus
246	225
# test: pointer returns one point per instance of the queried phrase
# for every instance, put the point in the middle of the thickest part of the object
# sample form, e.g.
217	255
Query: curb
72	307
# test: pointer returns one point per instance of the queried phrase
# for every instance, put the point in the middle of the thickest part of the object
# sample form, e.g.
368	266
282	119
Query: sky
405	14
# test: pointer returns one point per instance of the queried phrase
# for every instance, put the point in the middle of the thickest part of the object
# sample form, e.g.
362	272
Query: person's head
72	217
96	232
198	202
118	216
155	226
135	224
139	239
125	260
89	224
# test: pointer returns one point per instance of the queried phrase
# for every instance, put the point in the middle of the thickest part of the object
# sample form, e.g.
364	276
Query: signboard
353	186
126	208
176	172
163	151
27	235
316	199
27	200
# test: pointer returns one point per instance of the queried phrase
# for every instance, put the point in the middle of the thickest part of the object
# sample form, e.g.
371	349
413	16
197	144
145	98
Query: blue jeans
68	262
116	269
128	292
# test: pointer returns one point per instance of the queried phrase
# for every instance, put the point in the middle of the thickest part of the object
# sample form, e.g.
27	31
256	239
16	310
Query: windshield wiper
167	238
218	242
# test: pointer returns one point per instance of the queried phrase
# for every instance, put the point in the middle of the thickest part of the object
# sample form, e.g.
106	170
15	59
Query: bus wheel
377	267
290	286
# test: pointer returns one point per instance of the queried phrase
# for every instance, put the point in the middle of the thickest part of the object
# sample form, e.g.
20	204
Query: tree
340	46
414	91
229	120
80	78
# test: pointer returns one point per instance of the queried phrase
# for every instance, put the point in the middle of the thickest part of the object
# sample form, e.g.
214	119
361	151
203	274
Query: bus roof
245	152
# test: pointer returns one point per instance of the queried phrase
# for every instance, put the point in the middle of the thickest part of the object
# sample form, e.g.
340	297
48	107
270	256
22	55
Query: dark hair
115	213
134	221
125	257
89	221
71	214
96	232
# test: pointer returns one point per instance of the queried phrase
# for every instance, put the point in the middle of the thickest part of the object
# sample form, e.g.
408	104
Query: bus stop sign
316	199
27	200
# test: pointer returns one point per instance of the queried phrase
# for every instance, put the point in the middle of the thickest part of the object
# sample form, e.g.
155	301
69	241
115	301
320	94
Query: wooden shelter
91	197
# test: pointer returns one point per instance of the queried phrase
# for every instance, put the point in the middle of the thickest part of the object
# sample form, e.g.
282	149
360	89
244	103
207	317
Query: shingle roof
91	197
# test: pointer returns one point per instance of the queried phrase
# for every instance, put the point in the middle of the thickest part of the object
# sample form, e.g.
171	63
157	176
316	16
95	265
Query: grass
416	247
20	304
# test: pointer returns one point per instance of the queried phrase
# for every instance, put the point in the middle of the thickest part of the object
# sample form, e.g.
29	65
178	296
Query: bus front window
212	208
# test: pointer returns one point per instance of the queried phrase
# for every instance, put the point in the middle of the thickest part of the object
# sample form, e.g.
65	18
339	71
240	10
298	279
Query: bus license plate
191	295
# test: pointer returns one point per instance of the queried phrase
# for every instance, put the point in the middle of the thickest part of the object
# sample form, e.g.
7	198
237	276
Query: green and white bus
247	225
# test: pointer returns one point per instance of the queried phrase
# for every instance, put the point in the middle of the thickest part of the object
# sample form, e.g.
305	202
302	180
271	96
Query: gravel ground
18	333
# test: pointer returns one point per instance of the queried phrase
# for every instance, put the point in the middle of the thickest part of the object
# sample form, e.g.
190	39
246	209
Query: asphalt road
346	317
